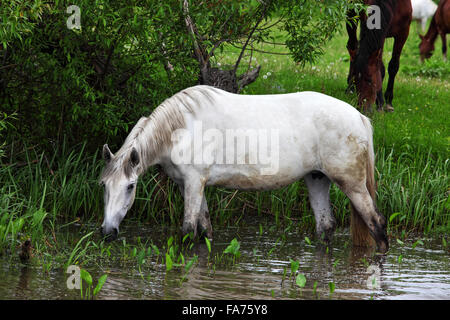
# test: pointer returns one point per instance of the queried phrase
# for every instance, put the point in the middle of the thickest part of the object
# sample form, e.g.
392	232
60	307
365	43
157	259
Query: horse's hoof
349	90
189	228
389	108
204	233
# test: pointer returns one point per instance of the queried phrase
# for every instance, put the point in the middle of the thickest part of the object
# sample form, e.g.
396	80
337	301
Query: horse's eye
130	187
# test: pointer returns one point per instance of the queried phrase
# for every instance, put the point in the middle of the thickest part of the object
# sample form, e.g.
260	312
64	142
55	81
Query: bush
93	81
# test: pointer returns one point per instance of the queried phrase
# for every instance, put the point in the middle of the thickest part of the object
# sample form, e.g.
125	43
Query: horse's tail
359	230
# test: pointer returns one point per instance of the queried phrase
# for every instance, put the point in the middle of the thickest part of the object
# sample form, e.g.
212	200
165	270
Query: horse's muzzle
109	234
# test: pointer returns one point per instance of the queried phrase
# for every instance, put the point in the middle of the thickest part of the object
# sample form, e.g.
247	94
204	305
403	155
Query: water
261	272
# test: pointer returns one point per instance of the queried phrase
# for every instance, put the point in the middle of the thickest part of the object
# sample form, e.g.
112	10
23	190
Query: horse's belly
252	179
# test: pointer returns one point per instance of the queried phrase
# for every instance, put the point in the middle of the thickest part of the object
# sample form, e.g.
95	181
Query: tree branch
248	77
191	29
263	15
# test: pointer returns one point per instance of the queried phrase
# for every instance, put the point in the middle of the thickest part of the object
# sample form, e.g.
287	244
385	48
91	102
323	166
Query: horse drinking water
203	136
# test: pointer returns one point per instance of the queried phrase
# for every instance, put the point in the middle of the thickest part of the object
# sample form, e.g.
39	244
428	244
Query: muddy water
263	270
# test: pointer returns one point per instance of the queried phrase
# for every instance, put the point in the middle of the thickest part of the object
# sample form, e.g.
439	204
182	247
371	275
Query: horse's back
310	129
290	113
304	104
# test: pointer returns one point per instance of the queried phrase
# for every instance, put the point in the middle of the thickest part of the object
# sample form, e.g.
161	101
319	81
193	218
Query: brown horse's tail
359	230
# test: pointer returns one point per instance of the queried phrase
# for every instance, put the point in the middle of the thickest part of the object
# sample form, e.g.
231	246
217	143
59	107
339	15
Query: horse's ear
107	154
134	158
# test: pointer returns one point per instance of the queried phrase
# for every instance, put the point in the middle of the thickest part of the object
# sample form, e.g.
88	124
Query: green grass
48	195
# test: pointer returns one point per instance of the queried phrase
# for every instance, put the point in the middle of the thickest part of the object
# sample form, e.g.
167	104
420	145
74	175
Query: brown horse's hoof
389	108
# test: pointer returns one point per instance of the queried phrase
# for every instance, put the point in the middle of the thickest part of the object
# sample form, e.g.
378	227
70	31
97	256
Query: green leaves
101	281
233	248
392	216
294	266
331	286
87	278
300	280
169	262
208	244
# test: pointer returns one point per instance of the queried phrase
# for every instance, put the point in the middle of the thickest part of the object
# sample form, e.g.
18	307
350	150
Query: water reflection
262	272
22	289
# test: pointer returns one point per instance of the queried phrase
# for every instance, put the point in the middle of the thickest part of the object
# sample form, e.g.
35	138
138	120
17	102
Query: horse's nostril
110	234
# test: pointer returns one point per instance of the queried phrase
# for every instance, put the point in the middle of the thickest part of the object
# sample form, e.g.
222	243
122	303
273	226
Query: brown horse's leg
393	67
444	46
352	45
380	98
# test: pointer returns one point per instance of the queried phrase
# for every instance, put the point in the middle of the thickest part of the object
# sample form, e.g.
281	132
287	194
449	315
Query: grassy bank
43	196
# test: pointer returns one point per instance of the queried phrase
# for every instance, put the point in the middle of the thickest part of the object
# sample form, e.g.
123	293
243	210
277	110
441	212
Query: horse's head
367	78
119	179
426	48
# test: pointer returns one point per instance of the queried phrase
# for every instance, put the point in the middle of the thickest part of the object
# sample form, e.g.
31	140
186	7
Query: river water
263	270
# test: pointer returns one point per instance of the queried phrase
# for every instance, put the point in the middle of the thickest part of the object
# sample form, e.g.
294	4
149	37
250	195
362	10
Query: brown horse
440	24
366	56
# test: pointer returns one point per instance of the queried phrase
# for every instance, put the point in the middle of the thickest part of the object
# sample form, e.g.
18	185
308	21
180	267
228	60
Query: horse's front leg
204	227
423	24
319	196
380	99
444	45
193	198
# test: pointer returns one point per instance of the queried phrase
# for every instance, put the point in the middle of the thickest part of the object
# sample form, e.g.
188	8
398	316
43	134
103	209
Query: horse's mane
373	39
152	134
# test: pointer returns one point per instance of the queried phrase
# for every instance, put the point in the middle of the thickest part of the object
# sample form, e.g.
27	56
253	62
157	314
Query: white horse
422	10
203	136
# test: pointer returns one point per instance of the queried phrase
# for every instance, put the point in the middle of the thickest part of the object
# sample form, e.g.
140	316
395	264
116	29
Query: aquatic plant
300	280
233	248
90	292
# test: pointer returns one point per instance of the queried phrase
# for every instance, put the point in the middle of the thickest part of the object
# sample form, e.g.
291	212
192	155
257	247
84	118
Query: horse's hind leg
393	67
365	208
319	196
